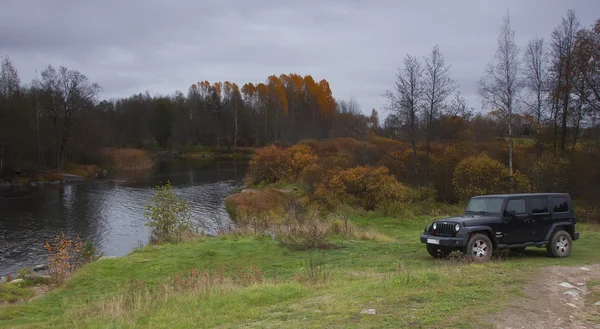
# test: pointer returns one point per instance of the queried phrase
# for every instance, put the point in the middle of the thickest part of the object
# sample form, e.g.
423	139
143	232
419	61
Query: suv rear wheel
479	248
437	252
560	244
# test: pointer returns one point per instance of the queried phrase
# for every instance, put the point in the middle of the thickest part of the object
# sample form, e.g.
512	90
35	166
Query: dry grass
86	171
51	176
128	159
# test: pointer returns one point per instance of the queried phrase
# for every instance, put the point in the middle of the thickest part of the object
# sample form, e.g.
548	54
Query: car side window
539	206
560	204
518	205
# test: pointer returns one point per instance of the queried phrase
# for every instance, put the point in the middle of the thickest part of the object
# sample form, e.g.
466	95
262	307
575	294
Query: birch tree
500	86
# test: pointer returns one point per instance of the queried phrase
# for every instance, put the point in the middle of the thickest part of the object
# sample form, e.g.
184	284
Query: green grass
12	293
398	279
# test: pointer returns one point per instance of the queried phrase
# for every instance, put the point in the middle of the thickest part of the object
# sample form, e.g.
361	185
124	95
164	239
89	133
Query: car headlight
434	226
457	227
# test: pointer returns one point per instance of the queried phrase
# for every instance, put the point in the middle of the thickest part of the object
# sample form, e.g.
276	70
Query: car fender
487	229
568	227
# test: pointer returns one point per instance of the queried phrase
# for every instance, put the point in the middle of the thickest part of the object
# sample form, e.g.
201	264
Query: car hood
470	220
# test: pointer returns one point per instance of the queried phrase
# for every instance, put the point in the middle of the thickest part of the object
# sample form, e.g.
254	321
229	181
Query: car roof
521	195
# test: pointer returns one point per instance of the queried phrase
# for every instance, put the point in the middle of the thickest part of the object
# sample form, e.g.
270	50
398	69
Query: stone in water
584	268
368	311
572	305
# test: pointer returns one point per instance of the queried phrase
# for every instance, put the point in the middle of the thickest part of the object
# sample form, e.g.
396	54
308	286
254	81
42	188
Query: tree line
550	90
58	117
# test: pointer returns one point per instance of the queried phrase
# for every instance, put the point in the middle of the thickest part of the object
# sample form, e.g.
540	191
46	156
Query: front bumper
459	241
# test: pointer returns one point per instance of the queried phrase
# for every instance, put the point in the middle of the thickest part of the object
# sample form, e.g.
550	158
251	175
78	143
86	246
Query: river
109	212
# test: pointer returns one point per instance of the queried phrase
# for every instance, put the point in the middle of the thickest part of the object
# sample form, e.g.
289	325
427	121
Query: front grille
445	230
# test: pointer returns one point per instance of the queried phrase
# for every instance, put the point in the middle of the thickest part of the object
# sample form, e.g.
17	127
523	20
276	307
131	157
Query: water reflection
109	212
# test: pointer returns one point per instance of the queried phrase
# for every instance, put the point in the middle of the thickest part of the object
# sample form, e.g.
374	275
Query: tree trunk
510	151
235	132
1	158
563	140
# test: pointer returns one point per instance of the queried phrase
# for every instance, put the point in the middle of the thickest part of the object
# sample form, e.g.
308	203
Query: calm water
108	212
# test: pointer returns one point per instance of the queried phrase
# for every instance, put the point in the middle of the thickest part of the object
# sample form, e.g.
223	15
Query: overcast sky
131	46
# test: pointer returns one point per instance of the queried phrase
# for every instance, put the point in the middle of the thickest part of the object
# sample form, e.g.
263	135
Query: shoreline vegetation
311	246
123	160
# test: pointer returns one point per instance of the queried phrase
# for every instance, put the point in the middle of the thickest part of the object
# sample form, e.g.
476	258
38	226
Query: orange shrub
64	257
477	175
269	164
367	187
272	164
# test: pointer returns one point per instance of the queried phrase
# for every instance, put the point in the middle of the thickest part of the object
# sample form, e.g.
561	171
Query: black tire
479	248
560	245
437	252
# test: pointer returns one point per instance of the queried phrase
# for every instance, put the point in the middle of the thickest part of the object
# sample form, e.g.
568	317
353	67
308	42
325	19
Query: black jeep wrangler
510	221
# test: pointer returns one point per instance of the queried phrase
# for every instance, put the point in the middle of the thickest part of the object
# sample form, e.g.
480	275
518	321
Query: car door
516	228
540	218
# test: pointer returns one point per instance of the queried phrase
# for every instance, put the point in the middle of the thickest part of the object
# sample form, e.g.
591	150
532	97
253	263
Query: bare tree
9	79
437	87
499	87
68	93
459	107
535	74
563	69
10	85
406	101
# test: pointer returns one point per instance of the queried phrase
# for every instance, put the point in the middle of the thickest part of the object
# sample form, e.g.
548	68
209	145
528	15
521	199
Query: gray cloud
133	46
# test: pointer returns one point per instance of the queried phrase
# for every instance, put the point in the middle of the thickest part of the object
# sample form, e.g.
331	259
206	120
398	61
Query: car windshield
484	205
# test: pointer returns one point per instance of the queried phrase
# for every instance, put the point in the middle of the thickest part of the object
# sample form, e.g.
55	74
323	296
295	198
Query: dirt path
558	297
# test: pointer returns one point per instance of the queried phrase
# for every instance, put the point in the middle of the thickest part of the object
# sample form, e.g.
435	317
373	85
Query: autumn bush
66	255
269	164
477	175
128	159
362	186
259	209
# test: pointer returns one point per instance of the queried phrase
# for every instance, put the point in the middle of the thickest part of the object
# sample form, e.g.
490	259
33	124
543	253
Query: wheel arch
566	226
487	231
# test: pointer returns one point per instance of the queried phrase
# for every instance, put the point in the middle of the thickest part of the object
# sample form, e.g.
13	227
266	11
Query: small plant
316	269
64	257
24	272
90	253
169	215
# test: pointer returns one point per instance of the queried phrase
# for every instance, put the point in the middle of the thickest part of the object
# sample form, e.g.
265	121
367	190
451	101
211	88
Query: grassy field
254	282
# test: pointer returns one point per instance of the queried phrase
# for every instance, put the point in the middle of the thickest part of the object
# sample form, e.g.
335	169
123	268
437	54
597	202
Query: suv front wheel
437	252
479	248
560	244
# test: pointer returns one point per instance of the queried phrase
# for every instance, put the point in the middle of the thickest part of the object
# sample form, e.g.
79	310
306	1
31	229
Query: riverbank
254	281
